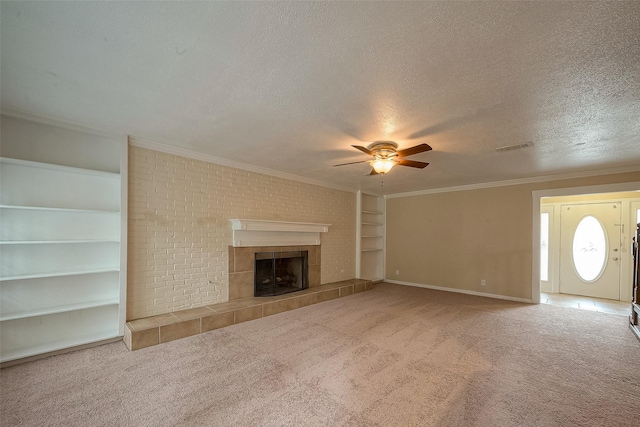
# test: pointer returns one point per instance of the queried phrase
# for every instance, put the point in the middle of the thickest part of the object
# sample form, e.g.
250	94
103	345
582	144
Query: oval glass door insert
589	249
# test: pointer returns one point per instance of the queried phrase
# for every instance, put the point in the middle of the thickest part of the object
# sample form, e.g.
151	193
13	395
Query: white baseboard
460	291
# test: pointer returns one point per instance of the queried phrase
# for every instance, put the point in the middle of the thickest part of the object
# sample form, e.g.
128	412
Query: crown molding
143	143
150	145
615	187
531	180
140	142
59	168
58	123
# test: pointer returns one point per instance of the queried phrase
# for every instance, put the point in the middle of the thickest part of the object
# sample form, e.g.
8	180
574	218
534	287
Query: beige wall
179	230
623	195
456	239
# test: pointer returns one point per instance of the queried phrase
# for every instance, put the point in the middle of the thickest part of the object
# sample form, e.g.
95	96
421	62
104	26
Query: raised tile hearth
163	328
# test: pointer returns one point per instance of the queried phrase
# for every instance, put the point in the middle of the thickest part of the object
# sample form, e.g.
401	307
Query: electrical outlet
397	272
483	282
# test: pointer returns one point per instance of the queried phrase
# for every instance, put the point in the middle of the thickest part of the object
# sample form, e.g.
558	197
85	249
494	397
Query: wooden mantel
254	232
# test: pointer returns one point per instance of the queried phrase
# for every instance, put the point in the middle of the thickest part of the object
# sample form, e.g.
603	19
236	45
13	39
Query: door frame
553	285
608	227
537	195
634	206
554	249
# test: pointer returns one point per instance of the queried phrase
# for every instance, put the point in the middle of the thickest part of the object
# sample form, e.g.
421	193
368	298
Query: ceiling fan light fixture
386	155
382	165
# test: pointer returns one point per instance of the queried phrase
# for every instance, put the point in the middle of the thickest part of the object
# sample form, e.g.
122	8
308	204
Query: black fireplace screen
278	273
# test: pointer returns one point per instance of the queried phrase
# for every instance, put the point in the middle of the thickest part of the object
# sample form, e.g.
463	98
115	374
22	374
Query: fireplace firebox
278	273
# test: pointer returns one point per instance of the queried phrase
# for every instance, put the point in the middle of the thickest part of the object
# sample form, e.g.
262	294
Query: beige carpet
394	356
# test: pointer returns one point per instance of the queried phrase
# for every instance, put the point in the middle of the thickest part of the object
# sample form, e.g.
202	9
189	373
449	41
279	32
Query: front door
590	250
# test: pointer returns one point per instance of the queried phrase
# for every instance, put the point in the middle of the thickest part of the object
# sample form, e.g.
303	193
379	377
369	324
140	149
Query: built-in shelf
62	237
59	309
34	350
44	208
53	242
370	237
59	168
58	274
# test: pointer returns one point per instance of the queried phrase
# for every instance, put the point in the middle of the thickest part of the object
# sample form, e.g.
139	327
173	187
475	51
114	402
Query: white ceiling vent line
514	147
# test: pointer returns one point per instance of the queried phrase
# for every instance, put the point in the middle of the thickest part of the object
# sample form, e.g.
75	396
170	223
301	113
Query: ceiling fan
386	155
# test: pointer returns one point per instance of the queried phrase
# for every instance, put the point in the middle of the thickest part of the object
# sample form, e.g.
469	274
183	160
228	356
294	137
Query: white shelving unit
61	252
370	237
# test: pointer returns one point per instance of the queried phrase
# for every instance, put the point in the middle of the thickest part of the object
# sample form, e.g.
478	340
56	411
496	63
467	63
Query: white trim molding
124	234
254	232
545	178
182	152
59	123
460	291
59	168
537	196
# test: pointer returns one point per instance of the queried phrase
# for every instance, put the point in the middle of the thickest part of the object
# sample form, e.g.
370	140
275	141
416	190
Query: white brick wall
179	230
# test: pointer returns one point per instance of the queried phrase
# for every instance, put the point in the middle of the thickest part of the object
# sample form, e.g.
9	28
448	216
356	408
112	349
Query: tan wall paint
623	195
179	230
456	239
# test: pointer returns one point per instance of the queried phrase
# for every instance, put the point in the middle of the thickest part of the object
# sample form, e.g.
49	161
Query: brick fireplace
278	273
241	267
257	236
249	237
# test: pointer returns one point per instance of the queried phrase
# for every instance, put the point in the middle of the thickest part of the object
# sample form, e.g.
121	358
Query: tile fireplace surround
241	263
242	305
163	328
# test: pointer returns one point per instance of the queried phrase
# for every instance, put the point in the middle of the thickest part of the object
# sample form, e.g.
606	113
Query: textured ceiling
290	86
